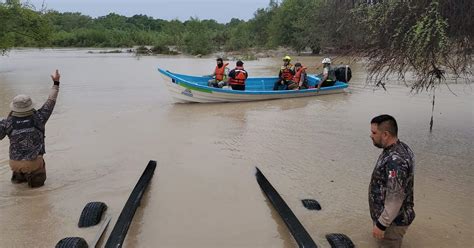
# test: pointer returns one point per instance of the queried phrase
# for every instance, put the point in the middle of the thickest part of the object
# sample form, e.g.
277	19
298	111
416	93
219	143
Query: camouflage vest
394	171
26	137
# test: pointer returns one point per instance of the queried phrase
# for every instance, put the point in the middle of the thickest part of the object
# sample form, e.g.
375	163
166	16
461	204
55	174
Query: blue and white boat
186	89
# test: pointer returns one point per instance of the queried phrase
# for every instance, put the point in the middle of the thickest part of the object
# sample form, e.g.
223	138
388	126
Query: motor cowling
343	73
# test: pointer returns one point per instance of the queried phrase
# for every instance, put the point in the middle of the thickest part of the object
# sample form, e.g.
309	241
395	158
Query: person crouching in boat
287	71
328	77
300	80
25	127
237	76
221	71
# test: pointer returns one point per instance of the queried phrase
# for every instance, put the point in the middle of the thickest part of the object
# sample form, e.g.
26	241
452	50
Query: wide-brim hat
21	103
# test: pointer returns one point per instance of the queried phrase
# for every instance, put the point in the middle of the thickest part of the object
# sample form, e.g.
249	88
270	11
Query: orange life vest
286	72
297	76
240	76
220	72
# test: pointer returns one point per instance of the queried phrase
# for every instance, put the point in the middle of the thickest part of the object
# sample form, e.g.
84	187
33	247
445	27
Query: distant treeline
297	24
428	36
292	23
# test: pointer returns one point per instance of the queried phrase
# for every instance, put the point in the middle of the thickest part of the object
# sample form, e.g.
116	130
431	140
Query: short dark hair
219	59
298	64
386	123
239	63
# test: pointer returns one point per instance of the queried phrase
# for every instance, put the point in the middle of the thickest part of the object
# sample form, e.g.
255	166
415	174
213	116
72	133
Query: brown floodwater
114	114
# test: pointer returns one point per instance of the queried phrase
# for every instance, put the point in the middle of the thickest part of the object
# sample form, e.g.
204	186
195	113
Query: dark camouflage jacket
26	133
391	186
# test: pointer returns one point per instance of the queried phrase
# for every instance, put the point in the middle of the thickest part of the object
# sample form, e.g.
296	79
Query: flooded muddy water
114	114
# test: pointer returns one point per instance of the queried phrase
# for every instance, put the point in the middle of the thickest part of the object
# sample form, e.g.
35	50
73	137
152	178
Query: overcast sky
219	10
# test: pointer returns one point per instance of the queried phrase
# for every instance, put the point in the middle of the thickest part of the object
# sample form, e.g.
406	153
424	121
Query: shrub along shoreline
430	38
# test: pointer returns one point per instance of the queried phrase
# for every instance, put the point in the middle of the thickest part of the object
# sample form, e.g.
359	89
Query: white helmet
326	61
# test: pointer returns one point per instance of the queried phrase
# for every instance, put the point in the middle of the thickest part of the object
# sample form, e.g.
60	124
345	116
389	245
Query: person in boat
237	76
25	127
391	200
287	71
300	80
219	77
328	77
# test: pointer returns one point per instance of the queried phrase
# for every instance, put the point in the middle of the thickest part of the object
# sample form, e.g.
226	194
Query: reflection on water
114	114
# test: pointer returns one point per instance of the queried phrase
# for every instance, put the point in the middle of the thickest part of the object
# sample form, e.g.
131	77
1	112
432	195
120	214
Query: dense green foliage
22	26
285	24
426	36
429	38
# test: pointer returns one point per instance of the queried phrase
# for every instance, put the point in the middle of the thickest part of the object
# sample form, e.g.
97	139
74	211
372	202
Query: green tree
174	32
22	26
68	21
430	38
283	27
259	25
239	37
146	23
114	21
197	38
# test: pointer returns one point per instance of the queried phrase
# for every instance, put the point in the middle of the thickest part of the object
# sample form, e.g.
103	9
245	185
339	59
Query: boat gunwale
194	86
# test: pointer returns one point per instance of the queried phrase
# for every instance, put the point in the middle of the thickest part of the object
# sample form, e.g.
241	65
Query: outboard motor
343	73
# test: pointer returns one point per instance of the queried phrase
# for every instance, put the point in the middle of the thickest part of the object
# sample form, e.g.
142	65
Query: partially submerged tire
311	204
92	214
339	240
72	242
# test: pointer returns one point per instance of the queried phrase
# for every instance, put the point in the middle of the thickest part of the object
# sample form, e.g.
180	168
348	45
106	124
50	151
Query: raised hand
55	77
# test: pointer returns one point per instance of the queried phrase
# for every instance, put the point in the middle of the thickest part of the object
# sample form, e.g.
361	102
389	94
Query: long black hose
299	233
120	230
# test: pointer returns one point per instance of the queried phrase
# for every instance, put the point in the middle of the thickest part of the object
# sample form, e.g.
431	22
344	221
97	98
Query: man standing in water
25	127
391	186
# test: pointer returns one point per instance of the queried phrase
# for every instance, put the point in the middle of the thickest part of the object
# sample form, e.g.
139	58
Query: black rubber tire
92	214
339	240
311	204
72	242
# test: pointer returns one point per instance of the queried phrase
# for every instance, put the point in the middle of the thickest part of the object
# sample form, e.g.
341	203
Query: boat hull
184	90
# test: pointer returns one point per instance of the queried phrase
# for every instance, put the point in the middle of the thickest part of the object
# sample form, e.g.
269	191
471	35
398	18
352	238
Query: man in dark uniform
25	126
391	186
